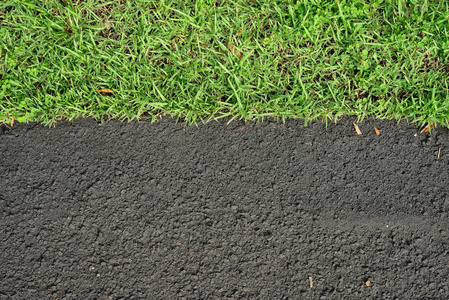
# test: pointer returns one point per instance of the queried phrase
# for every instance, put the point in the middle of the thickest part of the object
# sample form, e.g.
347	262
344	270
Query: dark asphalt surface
267	211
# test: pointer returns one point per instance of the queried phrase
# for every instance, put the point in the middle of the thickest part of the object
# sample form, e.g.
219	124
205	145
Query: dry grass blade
106	91
357	129
239	33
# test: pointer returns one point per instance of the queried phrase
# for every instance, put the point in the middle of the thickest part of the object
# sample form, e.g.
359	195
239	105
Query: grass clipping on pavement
205	59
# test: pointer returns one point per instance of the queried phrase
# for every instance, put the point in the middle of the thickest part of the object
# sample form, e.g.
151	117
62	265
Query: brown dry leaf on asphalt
239	128
357	129
193	253
368	283
12	121
426	129
107	91
377	131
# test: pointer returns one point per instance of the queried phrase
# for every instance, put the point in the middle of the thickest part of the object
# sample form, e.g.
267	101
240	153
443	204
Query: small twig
31	95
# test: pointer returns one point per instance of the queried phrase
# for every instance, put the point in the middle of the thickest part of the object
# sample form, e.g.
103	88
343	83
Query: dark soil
268	211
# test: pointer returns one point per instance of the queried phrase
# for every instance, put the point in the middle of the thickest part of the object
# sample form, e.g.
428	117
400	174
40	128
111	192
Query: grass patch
209	59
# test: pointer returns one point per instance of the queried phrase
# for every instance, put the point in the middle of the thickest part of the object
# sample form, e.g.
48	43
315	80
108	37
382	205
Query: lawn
208	59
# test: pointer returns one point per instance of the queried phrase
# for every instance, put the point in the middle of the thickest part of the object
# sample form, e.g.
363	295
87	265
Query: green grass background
307	59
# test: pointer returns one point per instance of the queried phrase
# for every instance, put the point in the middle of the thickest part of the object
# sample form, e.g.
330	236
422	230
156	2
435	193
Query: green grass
207	59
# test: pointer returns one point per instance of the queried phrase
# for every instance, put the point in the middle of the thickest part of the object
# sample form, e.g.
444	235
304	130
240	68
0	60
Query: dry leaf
377	131
310	282
69	30
357	129
12	121
239	128
368	283
426	129
107	91
235	51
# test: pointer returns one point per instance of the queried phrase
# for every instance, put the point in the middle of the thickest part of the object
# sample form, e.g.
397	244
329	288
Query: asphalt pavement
262	210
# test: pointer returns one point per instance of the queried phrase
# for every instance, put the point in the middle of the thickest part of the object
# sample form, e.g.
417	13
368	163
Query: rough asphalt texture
273	211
